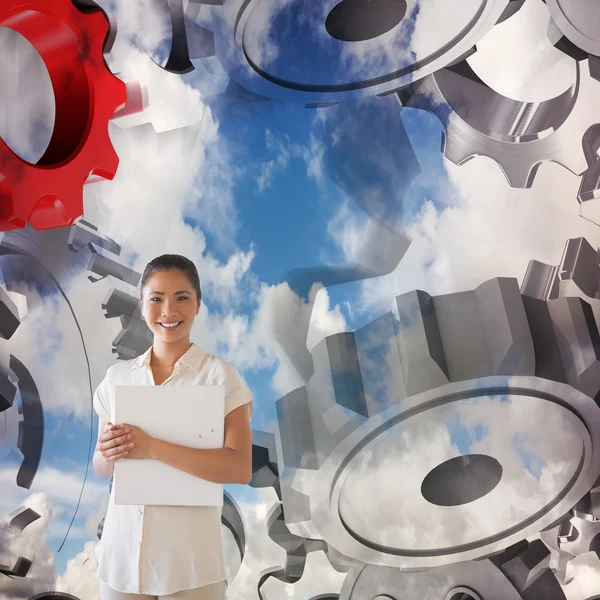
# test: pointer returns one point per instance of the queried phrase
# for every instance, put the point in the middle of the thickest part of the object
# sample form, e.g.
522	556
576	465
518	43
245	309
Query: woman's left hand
142	442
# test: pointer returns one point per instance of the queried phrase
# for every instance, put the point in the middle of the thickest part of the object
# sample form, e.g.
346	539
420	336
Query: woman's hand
141	441
115	442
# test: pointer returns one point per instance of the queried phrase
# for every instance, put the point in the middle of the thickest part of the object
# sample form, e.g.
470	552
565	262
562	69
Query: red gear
70	42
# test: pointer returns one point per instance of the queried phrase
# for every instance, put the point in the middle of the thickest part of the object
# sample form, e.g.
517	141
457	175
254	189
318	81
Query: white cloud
32	545
80	578
283	318
586	577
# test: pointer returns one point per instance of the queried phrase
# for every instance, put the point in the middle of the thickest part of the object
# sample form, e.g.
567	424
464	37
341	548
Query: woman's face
169	305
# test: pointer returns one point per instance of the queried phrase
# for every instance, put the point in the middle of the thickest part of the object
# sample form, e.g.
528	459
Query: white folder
188	415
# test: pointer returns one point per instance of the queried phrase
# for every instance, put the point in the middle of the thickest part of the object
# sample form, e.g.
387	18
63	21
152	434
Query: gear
523	576
518	136
578	21
188	62
50	193
17	521
260	555
577	277
319	580
351	43
53	258
571	538
589	189
434	365
21	412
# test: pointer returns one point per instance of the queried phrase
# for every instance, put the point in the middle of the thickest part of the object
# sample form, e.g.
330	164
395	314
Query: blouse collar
192	358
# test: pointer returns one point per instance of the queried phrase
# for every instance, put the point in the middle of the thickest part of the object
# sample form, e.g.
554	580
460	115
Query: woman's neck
166	355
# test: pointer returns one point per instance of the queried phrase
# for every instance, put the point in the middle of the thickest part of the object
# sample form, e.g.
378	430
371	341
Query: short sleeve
236	391
101	401
235	400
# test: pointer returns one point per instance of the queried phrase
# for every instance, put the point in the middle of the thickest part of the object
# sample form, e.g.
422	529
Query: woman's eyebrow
179	292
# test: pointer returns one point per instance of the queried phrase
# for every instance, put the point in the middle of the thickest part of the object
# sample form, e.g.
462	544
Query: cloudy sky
249	191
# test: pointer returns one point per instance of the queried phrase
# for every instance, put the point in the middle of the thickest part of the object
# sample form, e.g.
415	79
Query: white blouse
160	550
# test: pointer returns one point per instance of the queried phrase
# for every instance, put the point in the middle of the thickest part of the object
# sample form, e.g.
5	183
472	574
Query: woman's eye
183	297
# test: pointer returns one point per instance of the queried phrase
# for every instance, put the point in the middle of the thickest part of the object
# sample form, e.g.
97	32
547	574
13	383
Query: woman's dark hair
172	261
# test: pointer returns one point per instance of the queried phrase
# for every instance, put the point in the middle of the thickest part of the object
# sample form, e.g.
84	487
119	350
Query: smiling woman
156	550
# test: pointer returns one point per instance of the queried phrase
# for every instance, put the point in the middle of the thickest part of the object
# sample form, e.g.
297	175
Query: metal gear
53	258
573	537
190	58
17	521
519	573
70	41
518	136
320	580
589	189
21	412
578	20
260	555
575	279
247	43
431	360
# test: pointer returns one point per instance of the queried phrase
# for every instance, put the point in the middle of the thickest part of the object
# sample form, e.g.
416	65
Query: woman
169	552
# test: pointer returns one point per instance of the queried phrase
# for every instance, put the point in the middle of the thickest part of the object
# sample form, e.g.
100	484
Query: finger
112	447
113	443
118	449
117	456
115	433
111	439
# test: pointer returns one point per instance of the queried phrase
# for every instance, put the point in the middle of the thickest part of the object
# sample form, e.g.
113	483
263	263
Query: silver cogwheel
577	276
21	413
416	396
18	520
569	539
342	51
519	573
319	580
518	136
260	555
579	21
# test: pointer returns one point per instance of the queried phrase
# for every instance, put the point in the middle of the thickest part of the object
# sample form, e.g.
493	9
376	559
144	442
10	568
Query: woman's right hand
115	442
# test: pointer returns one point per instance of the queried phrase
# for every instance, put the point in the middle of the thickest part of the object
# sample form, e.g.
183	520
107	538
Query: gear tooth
8	392
31	428
295	431
594	66
549	362
379	357
574	321
335	393
421	350
82	234
540	281
104	266
525	570
579	263
318	579
297	508
261	556
508	339
9	316
264	461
